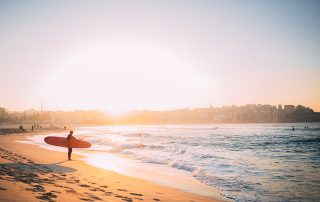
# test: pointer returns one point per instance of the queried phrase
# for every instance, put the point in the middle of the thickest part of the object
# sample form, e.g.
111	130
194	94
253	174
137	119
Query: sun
119	77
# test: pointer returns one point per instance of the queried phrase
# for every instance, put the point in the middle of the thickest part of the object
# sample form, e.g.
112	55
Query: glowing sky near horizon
123	55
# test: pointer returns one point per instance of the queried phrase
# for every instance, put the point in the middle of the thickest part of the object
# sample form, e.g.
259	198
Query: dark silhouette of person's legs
69	153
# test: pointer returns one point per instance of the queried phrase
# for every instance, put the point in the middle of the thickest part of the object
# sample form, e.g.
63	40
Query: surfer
69	148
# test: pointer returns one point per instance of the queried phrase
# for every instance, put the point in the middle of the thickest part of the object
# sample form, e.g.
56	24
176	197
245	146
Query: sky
158	55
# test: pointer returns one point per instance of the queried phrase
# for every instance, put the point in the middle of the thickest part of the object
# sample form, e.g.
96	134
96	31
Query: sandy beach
31	173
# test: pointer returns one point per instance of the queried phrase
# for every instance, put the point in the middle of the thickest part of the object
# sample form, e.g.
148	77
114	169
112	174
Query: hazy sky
120	55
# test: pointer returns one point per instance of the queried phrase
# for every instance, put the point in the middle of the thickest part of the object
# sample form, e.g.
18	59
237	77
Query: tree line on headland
250	113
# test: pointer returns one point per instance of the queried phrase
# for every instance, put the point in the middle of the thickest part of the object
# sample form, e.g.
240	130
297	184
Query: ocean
247	162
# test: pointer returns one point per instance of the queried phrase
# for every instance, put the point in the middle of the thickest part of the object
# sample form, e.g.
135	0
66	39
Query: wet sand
31	173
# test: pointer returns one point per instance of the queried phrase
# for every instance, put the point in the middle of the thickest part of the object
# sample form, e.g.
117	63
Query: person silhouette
70	136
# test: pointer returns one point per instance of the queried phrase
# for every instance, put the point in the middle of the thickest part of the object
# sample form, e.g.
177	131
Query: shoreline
50	177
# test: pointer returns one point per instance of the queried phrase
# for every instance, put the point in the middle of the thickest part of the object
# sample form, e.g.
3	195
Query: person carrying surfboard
69	142
70	136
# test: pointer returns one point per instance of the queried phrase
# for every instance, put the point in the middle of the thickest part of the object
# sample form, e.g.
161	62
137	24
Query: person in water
70	136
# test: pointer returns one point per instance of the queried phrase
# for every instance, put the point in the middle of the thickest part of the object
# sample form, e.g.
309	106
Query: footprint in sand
122	190
124	198
108	193
37	188
10	173
47	196
50	194
136	194
84	185
48	181
86	199
93	189
1	188
104	186
71	191
156	199
99	189
95	197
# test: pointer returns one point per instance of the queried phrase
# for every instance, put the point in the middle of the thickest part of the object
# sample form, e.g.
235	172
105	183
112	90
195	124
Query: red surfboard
63	142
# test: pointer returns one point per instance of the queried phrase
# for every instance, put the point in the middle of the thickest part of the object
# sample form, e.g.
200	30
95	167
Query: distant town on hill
250	113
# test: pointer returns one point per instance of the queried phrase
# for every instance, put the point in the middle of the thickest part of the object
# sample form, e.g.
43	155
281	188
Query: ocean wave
154	160
155	147
120	148
137	134
182	166
201	128
234	186
307	140
207	156
101	148
313	129
100	141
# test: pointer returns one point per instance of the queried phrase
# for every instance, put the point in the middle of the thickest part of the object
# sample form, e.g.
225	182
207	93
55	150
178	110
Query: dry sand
31	173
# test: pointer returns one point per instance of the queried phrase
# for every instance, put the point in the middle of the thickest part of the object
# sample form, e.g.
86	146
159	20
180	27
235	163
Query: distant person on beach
69	148
21	128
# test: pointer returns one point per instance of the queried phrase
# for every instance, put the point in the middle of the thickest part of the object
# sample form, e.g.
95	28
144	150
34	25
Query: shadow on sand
34	168
59	162
30	173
